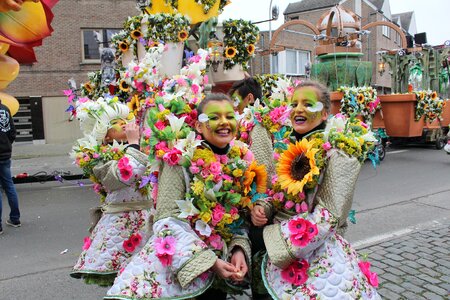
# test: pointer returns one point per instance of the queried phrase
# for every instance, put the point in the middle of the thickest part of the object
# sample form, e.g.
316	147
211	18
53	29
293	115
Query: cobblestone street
414	266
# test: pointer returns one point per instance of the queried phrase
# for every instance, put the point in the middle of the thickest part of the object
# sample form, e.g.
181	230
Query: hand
132	133
240	265
258	216
223	269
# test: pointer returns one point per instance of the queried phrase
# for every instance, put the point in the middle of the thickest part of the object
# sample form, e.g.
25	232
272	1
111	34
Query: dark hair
245	87
212	97
324	94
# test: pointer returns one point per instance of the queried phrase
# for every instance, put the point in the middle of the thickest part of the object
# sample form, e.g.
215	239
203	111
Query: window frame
104	32
282	62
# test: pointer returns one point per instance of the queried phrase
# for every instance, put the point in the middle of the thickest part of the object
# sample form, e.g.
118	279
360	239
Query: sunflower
123	46
124	87
258	173
360	98
182	35
134	103
136	34
230	52
297	166
251	49
421	95
433	96
88	87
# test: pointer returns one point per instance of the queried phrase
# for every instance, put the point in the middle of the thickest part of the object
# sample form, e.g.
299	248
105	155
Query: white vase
234	74
127	57
140	47
171	59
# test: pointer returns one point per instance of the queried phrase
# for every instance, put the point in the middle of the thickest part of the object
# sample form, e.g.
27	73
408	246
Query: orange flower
136	34
123	46
361	98
251	49
433	95
88	87
297	166
258	173
182	35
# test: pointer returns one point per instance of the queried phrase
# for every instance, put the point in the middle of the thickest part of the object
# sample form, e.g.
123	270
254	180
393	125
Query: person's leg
10	190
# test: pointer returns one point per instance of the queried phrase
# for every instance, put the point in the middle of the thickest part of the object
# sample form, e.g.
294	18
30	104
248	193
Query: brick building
70	52
299	40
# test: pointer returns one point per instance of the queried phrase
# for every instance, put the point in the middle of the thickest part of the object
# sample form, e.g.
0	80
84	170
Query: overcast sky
432	16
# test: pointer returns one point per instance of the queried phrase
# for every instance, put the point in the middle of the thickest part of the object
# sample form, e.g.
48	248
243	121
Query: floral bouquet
428	105
239	41
222	186
275	86
93	88
359	100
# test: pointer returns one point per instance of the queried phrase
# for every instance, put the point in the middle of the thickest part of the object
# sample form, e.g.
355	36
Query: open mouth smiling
299	120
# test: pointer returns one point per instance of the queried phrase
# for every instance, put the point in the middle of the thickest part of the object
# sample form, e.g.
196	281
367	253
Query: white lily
188	145
187	208
175	123
203	228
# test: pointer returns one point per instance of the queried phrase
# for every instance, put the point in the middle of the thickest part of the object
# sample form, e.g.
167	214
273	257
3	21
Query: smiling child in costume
312	195
115	169
200	246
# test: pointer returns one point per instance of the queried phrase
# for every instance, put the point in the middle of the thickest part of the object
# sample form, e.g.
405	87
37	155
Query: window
386	30
293	62
93	40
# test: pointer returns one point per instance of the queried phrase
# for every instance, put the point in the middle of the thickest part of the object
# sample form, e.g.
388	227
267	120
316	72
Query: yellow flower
258	173
136	34
361	98
88	87
251	49
297	166
197	187
134	103
230	52
227	218
123	86
205	216
235	151
123	46
162	115
238	173
182	35
433	95
205	154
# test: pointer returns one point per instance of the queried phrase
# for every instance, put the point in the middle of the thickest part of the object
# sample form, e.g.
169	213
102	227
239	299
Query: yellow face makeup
307	111
221	127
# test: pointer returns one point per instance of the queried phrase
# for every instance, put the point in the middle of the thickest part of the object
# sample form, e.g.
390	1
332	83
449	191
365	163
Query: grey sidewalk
414	266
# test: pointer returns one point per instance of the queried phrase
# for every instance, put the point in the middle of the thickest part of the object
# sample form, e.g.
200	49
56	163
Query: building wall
60	58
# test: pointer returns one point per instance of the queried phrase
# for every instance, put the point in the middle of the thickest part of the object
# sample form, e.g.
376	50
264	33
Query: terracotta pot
336	98
398	112
378	120
446	114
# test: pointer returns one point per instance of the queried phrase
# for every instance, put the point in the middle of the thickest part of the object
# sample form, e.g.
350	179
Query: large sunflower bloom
251	49
123	86
134	104
361	98
434	95
182	35
88	87
136	34
297	166
123	46
258	173
230	52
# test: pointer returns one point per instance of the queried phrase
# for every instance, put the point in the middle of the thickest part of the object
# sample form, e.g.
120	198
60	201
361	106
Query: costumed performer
125	216
200	246
312	192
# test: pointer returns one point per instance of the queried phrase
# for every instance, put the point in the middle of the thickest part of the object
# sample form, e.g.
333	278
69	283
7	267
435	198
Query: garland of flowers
275	84
239	41
93	89
428	105
359	100
222	186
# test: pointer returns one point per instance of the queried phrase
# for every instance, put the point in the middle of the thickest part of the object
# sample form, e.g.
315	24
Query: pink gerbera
165	246
297	226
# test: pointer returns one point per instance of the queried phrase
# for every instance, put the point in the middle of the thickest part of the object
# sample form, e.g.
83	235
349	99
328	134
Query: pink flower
300	239
123	162
97	187
288	204
147	133
205	79
160	125
128	246
296	273
373	279
162	146
234	211
297	226
311	230
172	157
194	169
136	239
276	155
244	135
205	173
136	68
216	241
126	173
95	155
326	146
181	81
200	162
166	260
195	88
364	124
215	168
87	243
249	157
223	159
165	246
86	158
217	214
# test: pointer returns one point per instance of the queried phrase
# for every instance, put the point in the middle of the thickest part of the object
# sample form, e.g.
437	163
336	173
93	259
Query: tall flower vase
399	115
221	75
171	59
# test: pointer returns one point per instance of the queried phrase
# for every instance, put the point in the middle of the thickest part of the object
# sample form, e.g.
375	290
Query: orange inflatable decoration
23	25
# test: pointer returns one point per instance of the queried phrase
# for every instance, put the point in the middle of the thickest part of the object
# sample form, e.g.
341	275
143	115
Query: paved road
402	223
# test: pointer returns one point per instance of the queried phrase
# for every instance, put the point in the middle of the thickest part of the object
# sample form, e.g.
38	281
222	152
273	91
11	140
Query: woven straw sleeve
262	149
338	186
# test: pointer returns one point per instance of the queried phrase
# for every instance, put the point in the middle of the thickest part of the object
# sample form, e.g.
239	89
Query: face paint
307	111
221	127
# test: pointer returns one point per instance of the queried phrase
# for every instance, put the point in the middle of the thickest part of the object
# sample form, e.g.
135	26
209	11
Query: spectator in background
7	137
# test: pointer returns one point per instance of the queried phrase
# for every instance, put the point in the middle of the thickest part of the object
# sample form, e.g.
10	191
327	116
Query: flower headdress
96	117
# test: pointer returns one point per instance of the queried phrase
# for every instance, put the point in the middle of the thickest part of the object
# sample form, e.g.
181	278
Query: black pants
212	294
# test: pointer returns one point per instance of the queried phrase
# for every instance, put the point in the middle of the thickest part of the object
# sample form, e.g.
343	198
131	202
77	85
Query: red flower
166	260
128	246
126	173
296	273
300	239
136	239
172	157
297	226
311	230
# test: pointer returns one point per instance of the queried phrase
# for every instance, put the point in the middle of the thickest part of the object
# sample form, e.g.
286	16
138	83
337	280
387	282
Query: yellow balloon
188	8
9	69
10	102
4	48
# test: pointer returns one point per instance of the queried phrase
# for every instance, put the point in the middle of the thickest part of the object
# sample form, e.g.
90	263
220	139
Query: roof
307	5
377	3
405	19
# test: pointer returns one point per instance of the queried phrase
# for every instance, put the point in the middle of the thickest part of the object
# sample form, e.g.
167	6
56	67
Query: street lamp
273	15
